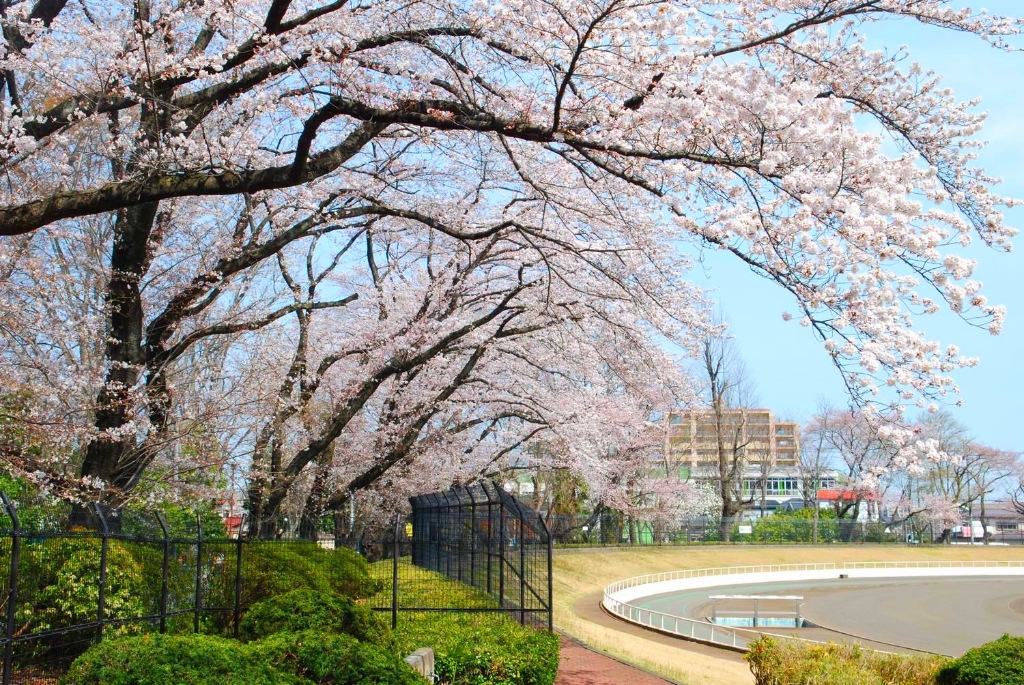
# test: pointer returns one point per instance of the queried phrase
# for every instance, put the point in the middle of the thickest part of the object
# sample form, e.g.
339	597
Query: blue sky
789	367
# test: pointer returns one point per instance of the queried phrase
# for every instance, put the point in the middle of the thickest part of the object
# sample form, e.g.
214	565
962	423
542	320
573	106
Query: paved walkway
581	666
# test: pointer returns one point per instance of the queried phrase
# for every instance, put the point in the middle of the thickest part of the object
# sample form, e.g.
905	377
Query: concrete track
940	615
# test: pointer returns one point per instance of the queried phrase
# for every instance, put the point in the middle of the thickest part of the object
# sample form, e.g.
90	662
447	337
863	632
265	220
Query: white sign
746	530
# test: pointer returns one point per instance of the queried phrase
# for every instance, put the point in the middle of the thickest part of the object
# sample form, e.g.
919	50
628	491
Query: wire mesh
486	539
72	575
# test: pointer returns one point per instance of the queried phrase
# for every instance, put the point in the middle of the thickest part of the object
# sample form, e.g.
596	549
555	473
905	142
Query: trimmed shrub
179	659
482	650
1000	662
272	568
786	662
307	658
331	659
308	610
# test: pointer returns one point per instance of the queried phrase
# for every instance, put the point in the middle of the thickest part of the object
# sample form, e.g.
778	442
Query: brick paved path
580	666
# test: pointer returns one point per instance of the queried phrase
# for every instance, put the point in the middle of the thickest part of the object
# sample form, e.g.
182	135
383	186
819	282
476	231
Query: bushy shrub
788	662
179	659
307	658
1000	662
309	610
332	659
482	649
793	526
59	584
272	568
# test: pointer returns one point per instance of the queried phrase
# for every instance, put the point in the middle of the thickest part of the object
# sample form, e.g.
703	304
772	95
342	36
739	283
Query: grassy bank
583	572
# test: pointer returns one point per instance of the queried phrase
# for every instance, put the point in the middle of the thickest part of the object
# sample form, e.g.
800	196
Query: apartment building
691	437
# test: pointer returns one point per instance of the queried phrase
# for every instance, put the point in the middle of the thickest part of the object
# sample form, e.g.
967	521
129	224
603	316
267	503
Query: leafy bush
307	658
331	659
308	610
786	662
179	659
272	568
793	526
1000	662
482	650
59	584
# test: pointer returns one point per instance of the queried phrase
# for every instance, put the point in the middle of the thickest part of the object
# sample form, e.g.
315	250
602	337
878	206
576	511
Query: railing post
12	591
199	573
238	575
394	576
165	567
105	540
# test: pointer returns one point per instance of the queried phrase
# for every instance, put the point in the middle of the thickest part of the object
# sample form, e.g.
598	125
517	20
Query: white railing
933	564
711	572
695	629
730	636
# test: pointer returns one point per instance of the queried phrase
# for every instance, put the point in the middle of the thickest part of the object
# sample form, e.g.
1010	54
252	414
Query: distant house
869	510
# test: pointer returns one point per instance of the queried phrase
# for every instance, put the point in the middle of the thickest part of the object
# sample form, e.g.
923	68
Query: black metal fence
63	588
484	537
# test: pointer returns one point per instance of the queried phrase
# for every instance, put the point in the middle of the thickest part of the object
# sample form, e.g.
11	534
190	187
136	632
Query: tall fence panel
486	538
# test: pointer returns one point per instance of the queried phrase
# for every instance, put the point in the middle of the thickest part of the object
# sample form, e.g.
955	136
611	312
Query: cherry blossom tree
848	442
581	147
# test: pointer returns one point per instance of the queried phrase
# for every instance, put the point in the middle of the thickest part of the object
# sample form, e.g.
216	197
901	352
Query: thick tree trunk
316	503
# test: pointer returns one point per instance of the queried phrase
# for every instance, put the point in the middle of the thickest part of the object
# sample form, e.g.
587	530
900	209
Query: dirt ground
581	666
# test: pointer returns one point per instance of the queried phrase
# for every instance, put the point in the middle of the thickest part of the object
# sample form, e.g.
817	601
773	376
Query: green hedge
273	568
184	659
482	649
326	659
306	658
1000	662
309	610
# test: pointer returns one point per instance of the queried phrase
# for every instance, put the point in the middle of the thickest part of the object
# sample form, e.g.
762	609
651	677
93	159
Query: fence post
164	572
12	591
551	584
199	573
394	575
522	568
501	553
105	532
490	540
238	575
472	537
458	534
